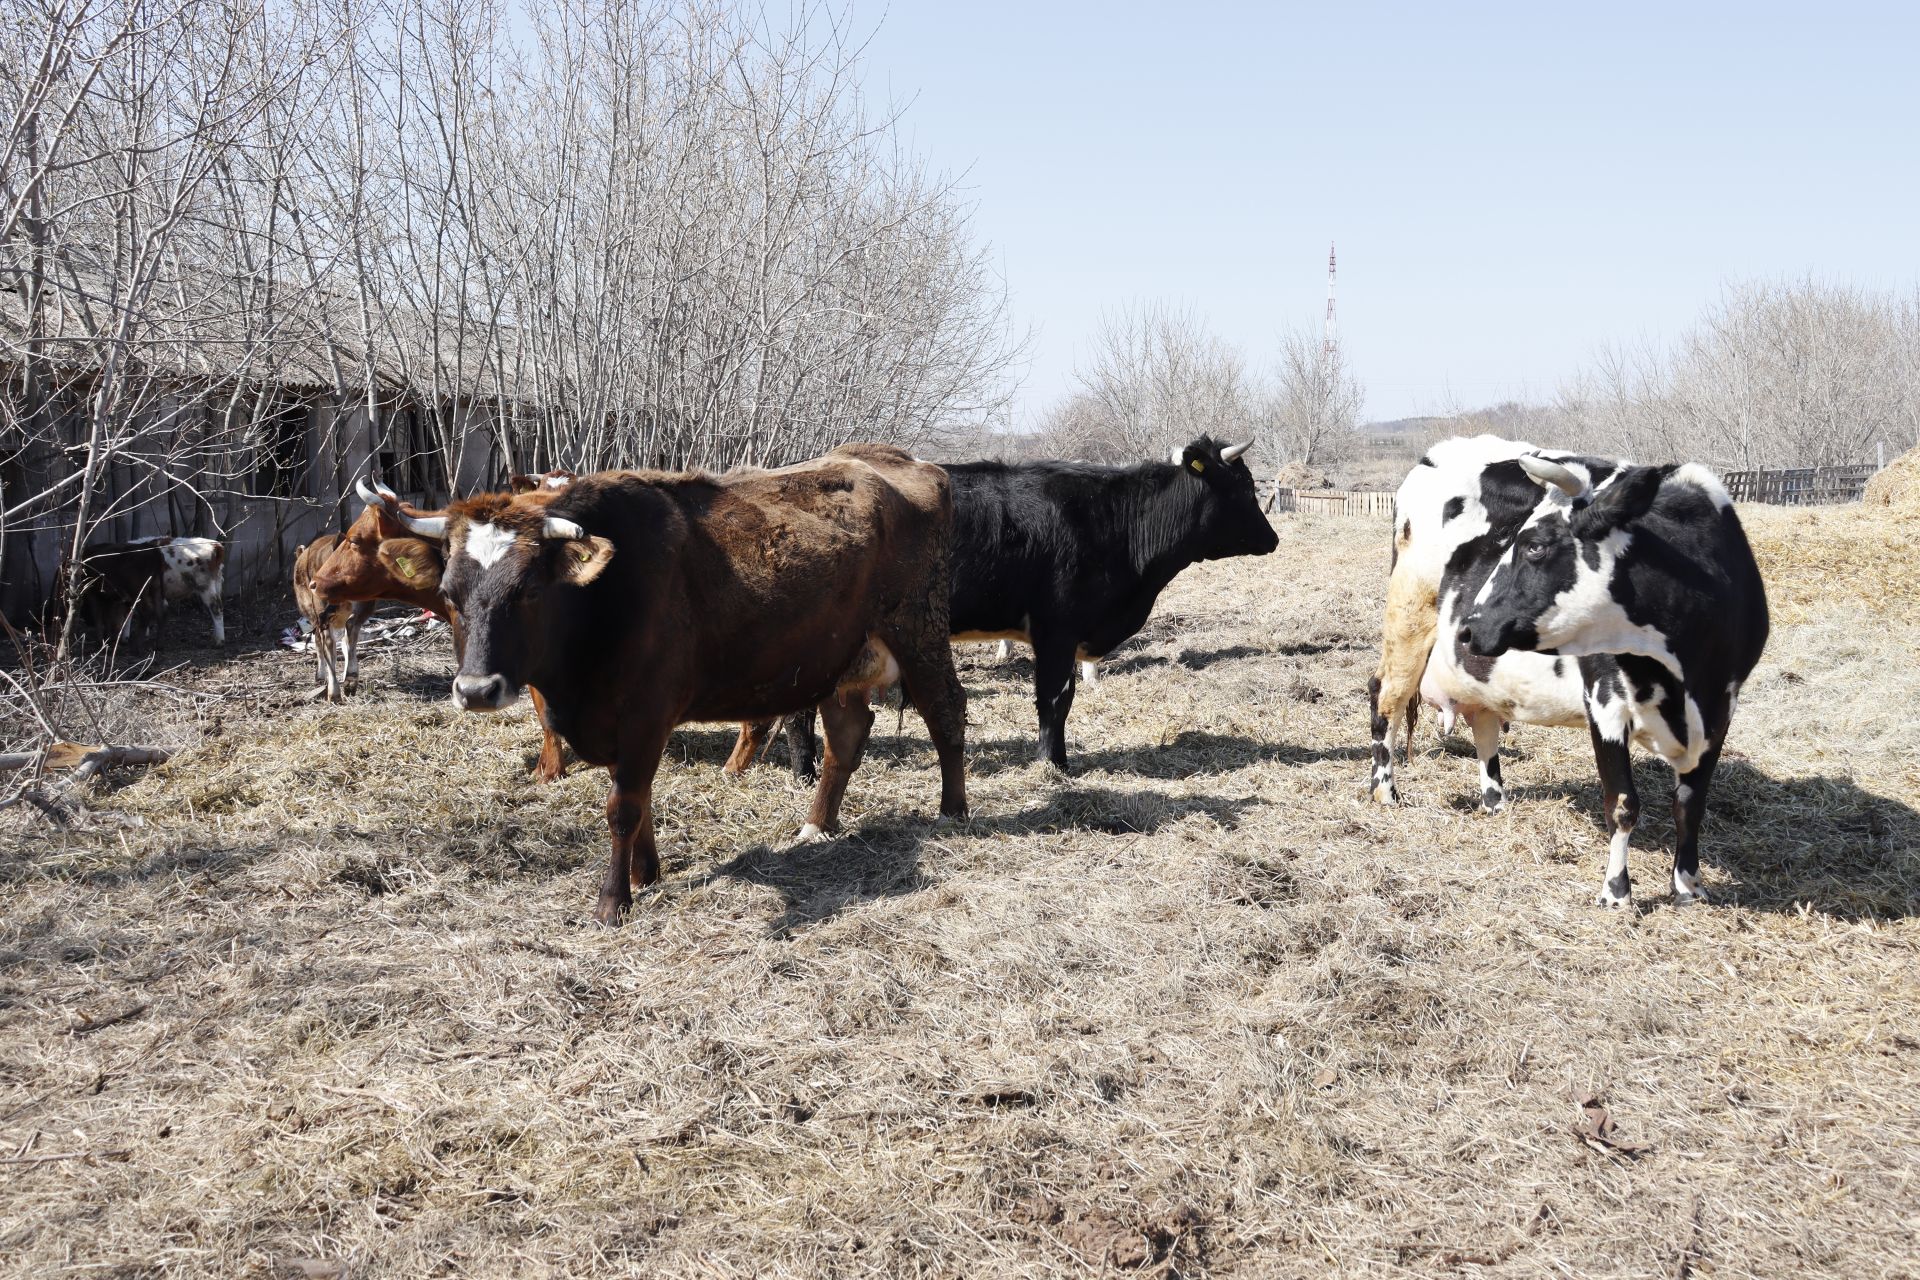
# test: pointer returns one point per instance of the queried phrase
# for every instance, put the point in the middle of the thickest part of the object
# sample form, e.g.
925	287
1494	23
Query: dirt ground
322	996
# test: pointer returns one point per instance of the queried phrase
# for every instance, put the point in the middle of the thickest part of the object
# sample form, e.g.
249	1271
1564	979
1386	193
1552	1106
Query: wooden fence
1335	502
1800	486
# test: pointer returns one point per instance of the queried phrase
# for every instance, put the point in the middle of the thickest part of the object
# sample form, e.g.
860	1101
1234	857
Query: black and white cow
1069	557
1649	569
123	587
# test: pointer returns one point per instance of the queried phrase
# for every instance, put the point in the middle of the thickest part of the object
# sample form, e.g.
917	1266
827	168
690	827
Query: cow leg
1053	698
928	681
553	759
803	747
635	860
326	652
216	610
327	642
1486	742
1090	673
356	619
1394	691
747	747
847	726
1689	811
1622	808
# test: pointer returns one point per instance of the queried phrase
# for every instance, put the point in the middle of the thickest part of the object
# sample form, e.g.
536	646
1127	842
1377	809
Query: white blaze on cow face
488	544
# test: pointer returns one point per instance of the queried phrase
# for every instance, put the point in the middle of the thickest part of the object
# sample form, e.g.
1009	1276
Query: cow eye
1535	552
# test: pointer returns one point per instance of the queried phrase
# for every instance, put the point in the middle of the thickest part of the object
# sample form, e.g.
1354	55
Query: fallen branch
85	761
91	1025
102	757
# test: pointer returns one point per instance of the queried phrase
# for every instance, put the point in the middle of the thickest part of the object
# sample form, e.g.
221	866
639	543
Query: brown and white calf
123	588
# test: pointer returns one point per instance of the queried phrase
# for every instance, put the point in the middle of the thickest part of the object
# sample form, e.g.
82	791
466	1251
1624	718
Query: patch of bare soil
337	1007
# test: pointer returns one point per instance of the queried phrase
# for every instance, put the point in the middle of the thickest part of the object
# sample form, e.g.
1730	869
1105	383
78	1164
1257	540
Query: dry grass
1195	1009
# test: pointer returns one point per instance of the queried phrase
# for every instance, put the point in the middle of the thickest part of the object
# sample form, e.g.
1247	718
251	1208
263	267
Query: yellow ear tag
404	565
583	552
1197	465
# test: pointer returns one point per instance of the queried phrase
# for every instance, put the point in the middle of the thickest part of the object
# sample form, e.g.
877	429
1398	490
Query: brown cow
377	559
336	627
638	601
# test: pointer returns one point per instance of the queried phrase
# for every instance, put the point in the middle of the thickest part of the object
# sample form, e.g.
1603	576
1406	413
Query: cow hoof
1687	890
611	912
1387	795
1607	898
810	834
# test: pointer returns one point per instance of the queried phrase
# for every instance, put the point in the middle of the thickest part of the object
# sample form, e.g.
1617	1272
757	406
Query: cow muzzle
1485	639
483	693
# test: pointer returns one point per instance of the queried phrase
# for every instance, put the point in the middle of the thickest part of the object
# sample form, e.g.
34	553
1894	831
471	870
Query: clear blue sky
1511	186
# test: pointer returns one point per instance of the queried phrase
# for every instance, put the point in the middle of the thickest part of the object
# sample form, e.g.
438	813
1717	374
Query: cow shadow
880	856
1820	843
1191	753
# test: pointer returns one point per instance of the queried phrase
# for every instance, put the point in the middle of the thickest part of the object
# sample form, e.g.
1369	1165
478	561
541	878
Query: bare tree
1310	412
1773	375
1154	379
246	244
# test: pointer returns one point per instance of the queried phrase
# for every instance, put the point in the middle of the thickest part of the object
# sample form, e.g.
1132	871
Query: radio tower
1332	338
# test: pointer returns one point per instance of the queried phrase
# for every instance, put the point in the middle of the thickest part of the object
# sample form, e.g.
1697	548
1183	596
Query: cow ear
1628	498
414	561
583	559
521	484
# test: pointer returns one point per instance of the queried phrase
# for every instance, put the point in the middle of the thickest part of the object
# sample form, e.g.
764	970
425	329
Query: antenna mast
1332	335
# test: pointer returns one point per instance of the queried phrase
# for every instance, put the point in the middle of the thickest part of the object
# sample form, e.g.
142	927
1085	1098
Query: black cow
1647	565
1070	557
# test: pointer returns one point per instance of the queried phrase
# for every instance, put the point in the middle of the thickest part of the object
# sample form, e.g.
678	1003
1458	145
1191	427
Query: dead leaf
1596	1130
1326	1079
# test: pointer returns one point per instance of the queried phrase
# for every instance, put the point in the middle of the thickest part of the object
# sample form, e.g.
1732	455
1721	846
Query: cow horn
434	527
385	492
1546	472
1233	451
367	495
555	527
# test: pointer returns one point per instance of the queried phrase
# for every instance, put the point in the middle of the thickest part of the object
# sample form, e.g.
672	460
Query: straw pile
1897	484
336	1008
1857	555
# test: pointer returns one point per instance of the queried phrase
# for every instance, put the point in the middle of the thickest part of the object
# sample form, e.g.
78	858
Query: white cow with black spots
1456	520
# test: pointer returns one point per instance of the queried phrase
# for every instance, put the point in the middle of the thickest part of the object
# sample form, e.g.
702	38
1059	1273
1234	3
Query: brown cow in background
338	579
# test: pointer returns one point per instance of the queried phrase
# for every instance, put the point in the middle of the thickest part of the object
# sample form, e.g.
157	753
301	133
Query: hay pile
336	1008
1855	555
1897	485
1298	475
